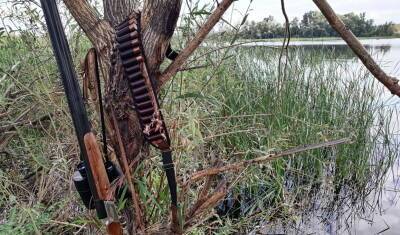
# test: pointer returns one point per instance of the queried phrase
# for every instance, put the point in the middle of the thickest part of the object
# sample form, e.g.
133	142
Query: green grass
314	103
238	110
37	160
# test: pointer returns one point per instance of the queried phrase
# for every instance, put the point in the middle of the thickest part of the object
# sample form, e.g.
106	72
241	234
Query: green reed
246	108
237	108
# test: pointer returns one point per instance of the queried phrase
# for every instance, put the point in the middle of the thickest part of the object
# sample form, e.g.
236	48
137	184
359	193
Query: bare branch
209	202
139	219
175	66
285	46
97	30
390	82
203	195
270	157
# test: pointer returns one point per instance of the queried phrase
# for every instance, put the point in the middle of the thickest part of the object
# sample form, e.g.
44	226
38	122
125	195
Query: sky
379	10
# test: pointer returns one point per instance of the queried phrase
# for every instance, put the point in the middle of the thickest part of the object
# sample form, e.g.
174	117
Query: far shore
312	39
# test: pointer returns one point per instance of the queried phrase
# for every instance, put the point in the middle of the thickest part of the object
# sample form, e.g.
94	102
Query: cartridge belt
131	53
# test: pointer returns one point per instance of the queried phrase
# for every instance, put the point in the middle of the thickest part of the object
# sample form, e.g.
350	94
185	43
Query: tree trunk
156	34
158	23
159	19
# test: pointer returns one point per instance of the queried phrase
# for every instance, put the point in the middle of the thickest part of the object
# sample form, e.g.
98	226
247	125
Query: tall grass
38	149
244	112
235	110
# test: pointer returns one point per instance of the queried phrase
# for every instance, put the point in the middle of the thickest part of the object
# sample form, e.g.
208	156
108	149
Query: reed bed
238	108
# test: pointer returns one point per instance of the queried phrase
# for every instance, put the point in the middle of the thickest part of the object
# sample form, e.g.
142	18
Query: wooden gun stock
93	173
97	167
102	184
114	228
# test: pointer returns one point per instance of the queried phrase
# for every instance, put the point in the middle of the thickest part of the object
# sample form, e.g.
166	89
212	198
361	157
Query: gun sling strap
142	88
94	174
98	177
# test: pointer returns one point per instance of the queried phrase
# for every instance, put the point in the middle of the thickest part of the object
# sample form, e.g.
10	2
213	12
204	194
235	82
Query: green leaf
244	19
201	12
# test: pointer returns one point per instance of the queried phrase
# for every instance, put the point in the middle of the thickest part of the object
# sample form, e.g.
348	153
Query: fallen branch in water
270	157
390	82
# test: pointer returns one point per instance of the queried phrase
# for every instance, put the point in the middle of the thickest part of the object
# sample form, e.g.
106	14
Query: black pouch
82	184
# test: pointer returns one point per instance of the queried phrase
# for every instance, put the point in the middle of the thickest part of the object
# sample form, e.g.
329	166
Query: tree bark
156	34
158	22
115	11
159	19
99	31
158	25
118	99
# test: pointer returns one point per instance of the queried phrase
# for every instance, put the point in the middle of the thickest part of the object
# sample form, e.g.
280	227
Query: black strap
168	163
103	123
126	40
71	87
169	169
171	54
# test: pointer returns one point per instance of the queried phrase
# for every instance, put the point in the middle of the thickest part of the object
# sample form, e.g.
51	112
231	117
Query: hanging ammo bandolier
93	176
142	88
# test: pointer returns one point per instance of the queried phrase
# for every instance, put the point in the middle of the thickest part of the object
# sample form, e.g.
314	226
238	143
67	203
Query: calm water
385	217
386	220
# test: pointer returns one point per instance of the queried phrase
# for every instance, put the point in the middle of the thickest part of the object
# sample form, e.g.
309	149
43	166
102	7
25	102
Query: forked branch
96	29
212	20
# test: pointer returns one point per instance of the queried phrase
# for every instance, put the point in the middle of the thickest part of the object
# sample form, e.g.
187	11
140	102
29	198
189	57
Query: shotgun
92	171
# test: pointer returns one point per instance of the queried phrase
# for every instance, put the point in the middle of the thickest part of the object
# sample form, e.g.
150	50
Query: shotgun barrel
96	173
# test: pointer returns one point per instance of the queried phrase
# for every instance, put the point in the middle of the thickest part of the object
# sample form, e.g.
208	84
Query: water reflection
362	202
343	51
359	207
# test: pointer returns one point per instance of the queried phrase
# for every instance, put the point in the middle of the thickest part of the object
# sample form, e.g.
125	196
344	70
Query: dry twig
207	203
124	164
203	195
286	42
175	66
270	157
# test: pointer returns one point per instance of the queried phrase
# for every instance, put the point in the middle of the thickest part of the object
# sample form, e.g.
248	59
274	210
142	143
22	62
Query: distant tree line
314	24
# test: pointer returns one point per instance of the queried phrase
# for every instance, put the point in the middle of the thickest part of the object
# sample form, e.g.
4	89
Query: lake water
384	218
387	219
